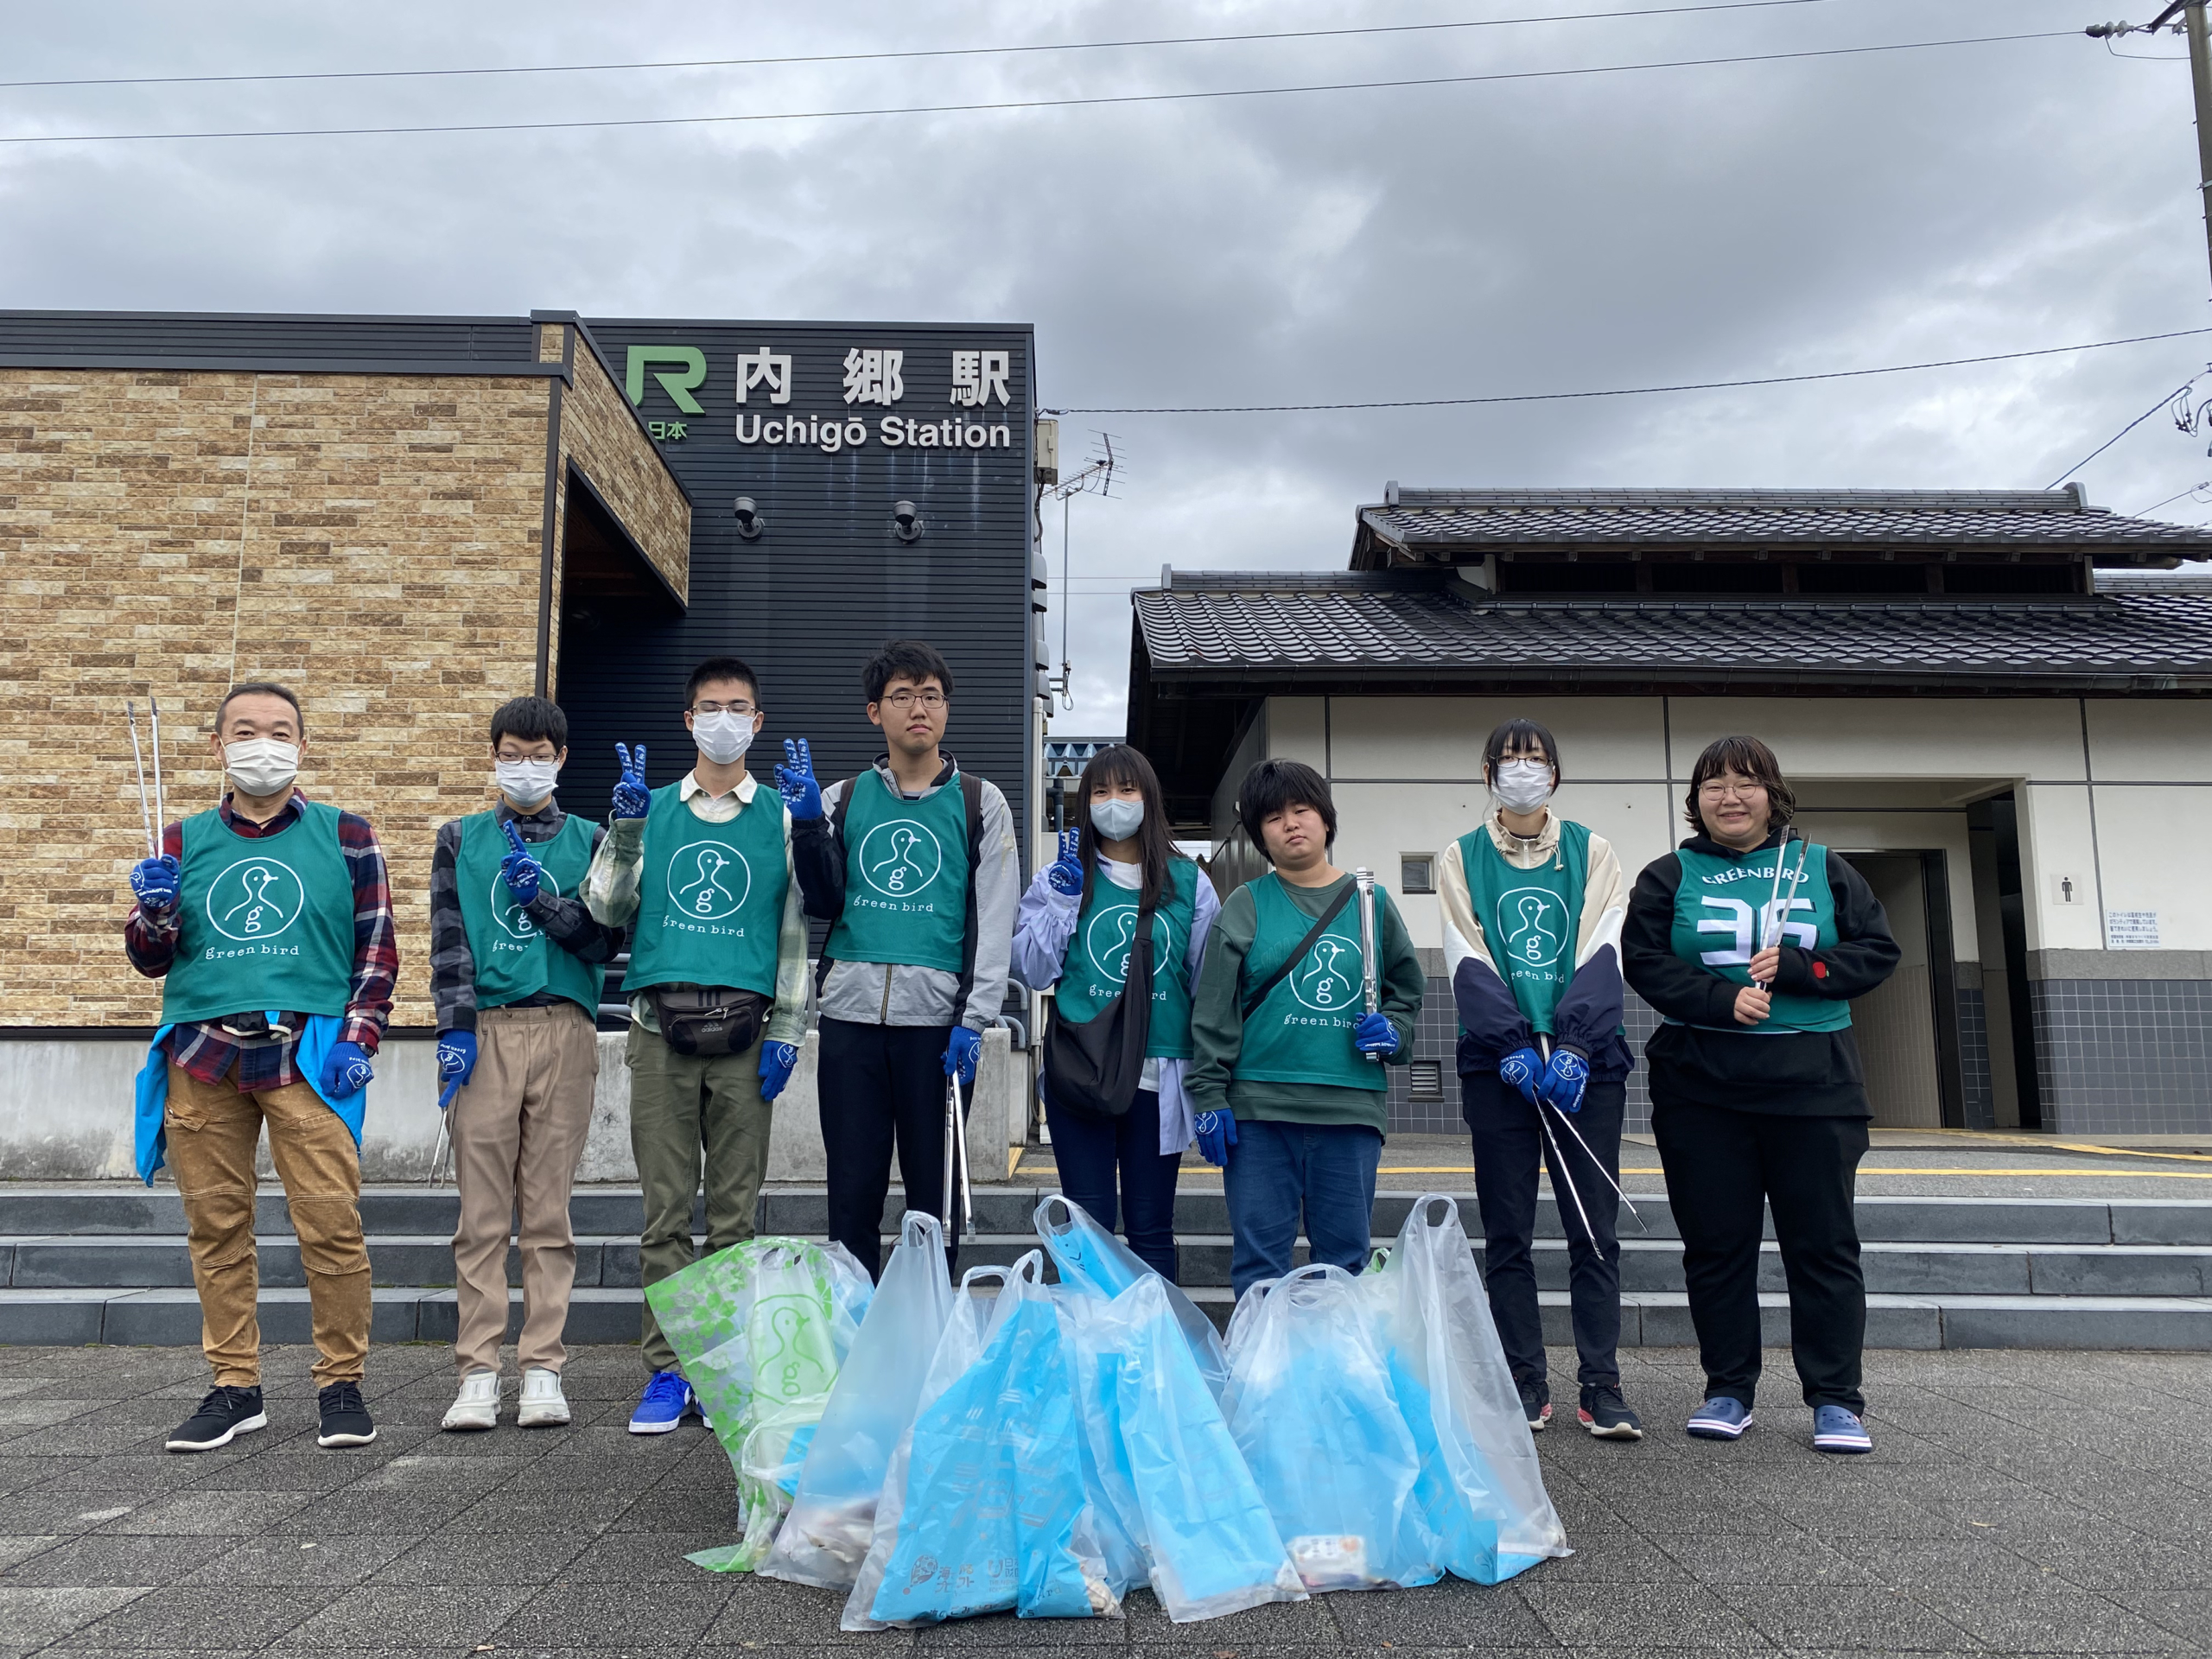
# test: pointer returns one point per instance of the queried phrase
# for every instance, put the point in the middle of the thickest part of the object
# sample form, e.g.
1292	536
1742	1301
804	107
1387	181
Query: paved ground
2019	1502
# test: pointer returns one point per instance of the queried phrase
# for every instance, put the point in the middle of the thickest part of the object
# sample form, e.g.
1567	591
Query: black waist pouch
709	1019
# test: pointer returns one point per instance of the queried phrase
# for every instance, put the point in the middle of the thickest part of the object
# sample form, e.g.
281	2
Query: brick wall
372	541
600	434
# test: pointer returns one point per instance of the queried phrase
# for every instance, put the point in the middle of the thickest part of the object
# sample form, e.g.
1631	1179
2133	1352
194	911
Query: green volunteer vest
906	876
1098	956
513	958
266	924
1302	1033
710	896
1722	910
1530	919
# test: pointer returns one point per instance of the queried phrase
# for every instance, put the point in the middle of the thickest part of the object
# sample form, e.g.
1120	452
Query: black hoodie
1710	1060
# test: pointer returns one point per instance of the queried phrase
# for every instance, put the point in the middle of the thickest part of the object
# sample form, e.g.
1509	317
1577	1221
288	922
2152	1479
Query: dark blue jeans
1092	1150
1280	1173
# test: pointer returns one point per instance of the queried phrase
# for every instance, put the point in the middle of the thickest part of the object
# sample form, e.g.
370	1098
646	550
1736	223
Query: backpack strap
971	797
825	962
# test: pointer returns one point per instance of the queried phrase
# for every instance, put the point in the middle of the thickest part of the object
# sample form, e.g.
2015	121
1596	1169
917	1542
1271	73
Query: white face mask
723	736
1117	819
526	783
261	765
1522	785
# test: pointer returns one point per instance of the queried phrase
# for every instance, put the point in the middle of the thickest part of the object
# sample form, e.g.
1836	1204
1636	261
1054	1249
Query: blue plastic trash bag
992	1514
1311	1408
1165	1459
1481	1490
1090	1258
760	1331
825	1537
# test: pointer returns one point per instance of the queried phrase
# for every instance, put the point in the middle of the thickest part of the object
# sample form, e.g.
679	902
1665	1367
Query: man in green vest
516	966
701	871
268	921
1290	1097
915	864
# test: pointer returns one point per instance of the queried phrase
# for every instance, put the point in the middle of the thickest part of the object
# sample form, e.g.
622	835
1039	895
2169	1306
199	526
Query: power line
927	52
2129	428
1096	101
1645	392
2169	500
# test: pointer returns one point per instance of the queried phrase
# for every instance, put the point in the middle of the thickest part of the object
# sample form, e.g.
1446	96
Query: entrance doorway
1908	1029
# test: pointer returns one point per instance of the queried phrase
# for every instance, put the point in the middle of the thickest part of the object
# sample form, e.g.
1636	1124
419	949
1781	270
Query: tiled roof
1227	627
1436	519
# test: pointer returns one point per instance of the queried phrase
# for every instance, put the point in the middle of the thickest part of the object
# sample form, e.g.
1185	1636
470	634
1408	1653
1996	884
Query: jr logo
707	881
256	899
1531	926
678	384
899	859
1327	982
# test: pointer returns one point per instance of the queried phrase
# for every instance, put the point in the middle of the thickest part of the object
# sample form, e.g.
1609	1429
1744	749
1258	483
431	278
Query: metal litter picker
956	1158
1371	979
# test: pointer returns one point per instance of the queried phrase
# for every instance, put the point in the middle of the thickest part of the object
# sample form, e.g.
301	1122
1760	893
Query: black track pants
882	1085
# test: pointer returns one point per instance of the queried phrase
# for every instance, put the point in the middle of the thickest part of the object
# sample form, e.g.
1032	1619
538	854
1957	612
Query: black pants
1722	1166
1114	1168
1509	1145
881	1084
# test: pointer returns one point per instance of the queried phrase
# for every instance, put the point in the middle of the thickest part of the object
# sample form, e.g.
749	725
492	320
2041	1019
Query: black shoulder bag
1096	1065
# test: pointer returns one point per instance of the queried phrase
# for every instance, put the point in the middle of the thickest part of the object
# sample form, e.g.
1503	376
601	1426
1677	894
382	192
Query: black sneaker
1536	1403
225	1415
345	1419
1605	1415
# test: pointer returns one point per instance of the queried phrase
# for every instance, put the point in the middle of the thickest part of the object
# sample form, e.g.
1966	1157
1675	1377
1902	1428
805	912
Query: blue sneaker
1721	1419
666	1399
1838	1429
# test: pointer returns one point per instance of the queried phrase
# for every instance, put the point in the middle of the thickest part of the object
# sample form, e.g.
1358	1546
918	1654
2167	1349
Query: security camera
906	521
750	523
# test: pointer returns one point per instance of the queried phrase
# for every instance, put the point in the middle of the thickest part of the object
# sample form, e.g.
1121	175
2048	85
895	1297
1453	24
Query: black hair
1522	734
530	719
904	659
1749	758
720	668
262	688
1115	764
1274	786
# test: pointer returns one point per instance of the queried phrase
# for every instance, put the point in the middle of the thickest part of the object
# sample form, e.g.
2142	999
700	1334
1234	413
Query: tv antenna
1096	478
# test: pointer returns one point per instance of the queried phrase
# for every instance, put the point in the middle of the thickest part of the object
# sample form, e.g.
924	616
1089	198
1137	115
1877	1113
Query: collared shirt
205	1050
567	921
610	893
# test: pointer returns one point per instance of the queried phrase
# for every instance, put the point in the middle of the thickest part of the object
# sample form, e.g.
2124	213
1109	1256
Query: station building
1994	704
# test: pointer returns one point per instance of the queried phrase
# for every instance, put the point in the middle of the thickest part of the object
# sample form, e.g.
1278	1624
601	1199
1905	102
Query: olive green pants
687	1113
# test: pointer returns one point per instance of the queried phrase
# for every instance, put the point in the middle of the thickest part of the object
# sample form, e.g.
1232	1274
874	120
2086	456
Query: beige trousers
213	1131
518	1131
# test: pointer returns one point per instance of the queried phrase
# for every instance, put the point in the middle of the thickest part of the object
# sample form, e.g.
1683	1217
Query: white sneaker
477	1406
544	1405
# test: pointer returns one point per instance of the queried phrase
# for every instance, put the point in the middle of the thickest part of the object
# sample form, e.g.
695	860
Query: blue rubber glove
518	869
777	1060
1066	872
795	781
1564	1080
346	1069
961	1053
1217	1134
1523	1068
456	1063
1376	1035
631	798
154	881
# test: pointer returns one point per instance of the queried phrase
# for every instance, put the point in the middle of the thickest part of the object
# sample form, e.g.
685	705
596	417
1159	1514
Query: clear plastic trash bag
1481	1490
825	1538
1312	1408
992	1514
760	1331
1090	1258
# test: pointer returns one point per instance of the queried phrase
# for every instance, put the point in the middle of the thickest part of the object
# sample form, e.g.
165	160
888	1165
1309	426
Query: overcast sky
1561	233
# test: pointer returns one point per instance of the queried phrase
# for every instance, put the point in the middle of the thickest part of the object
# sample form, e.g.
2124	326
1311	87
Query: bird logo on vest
1531	927
900	859
255	899
1111	935
707	881
507	911
1327	982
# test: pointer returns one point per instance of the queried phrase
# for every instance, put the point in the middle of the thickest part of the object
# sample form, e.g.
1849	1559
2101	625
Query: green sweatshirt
1217	1018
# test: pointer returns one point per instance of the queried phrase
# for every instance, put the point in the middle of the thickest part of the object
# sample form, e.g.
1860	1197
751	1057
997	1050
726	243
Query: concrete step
28	1211
169	1317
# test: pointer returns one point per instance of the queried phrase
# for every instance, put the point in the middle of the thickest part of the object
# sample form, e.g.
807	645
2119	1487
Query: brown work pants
213	1131
518	1131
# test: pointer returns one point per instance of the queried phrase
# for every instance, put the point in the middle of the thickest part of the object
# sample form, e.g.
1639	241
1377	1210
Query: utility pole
2200	78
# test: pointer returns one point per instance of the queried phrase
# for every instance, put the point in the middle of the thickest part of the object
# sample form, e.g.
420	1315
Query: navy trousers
1114	1168
1281	1174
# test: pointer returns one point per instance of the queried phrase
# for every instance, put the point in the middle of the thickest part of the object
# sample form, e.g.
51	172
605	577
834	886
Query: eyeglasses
739	709
902	701
1729	792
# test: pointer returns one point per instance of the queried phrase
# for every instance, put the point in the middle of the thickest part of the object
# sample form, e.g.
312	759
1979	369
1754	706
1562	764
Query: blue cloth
149	1133
1093	1150
1280	1173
